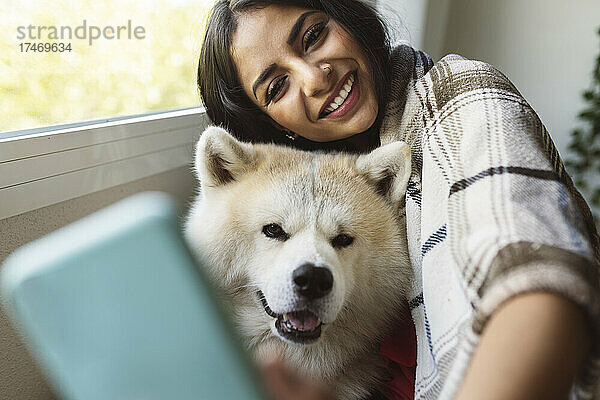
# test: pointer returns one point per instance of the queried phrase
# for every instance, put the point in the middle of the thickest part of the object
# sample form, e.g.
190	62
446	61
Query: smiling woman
312	72
315	83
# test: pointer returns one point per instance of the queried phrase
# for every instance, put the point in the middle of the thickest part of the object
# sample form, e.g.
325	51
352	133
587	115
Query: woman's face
305	71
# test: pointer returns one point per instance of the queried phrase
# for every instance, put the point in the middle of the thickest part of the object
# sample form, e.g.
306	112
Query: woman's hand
531	348
283	384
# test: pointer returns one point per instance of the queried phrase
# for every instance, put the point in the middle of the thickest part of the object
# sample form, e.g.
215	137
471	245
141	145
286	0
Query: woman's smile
340	103
305	71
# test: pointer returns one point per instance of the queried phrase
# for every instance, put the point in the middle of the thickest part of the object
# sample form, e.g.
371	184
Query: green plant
585	145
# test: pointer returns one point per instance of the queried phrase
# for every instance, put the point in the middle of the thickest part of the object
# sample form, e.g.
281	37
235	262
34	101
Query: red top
401	351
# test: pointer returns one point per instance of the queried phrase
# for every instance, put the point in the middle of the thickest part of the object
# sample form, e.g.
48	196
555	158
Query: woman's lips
350	101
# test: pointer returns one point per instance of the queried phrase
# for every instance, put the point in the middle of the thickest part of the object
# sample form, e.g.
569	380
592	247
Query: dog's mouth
301	327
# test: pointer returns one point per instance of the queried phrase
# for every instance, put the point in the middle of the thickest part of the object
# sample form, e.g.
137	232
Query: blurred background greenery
108	78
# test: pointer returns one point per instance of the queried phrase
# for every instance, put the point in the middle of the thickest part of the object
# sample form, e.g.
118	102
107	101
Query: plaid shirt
491	212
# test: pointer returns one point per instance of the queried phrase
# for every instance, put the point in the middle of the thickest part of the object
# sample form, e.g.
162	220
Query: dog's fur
314	197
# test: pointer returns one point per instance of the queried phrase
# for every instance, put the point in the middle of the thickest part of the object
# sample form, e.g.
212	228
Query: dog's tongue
303	320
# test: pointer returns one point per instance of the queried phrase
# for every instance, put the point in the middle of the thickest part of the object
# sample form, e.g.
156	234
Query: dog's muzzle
309	283
301	327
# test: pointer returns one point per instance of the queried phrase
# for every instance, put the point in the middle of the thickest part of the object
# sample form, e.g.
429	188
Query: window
64	62
95	94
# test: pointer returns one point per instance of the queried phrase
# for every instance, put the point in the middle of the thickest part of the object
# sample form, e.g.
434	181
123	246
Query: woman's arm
531	348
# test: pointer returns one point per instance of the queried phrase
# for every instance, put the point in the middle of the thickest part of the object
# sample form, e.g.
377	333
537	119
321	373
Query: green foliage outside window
108	78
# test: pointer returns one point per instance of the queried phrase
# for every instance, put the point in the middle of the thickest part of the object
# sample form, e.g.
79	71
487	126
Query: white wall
546	47
406	18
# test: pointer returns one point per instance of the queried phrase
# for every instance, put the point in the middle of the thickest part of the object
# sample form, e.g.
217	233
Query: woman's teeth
341	97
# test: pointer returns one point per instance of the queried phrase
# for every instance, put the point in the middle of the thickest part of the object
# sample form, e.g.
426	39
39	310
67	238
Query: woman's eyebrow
297	26
263	77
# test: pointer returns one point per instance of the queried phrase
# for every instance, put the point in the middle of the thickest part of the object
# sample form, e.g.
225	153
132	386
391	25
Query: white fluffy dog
310	251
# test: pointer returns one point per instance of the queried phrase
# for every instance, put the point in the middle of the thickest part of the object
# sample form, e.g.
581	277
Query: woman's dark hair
223	96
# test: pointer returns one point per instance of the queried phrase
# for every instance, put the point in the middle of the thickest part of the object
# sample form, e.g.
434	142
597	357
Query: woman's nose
315	78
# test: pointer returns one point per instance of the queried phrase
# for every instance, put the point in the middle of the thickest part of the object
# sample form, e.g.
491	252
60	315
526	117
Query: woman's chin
346	129
331	135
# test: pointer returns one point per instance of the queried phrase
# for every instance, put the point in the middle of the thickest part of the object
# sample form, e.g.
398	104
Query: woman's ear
388	168
220	158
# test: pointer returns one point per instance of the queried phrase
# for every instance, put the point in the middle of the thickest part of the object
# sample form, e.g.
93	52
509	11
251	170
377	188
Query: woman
505	252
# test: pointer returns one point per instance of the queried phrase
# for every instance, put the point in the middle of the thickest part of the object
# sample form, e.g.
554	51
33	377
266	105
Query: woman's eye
313	33
274	89
275	231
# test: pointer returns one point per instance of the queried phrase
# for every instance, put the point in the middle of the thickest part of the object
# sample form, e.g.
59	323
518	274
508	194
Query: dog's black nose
312	282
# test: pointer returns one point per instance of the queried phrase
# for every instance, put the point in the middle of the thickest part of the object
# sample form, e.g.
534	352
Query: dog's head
306	245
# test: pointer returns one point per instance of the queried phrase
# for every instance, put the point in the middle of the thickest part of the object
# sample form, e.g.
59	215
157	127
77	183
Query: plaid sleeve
514	221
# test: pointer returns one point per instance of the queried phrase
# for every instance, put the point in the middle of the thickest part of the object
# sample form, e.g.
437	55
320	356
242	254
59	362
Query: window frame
45	166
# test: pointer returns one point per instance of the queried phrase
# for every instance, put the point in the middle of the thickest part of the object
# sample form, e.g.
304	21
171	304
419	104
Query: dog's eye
342	240
275	231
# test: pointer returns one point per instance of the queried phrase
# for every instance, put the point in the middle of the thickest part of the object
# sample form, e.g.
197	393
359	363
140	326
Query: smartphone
115	306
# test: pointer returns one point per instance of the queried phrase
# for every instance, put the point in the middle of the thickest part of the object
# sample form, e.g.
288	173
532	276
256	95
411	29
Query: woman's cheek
287	116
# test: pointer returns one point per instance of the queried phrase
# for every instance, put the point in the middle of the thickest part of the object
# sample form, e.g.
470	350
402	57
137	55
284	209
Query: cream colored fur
314	197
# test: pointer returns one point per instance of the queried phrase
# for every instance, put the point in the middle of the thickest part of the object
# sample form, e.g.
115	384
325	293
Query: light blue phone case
114	307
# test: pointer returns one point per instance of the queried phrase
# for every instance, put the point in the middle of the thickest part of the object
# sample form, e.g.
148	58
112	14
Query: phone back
114	307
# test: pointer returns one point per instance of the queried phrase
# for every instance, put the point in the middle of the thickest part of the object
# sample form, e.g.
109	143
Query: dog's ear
220	158
388	169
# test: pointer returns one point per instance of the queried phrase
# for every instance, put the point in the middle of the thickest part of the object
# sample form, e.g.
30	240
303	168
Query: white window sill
49	166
